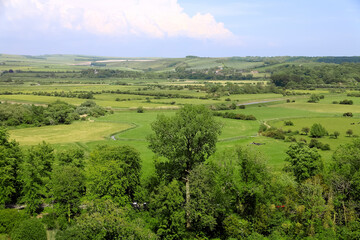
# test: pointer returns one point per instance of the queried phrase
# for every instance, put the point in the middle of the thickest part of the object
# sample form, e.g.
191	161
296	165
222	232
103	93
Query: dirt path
266	101
267	125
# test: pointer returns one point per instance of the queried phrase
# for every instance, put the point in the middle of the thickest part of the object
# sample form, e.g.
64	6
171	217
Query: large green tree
67	188
345	180
318	131
36	171
186	139
102	220
166	204
114	172
10	161
303	161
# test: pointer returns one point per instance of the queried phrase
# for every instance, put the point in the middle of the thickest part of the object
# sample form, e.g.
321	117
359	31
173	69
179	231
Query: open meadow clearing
81	131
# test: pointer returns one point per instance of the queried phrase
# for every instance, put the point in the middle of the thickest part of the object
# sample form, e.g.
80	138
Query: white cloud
152	18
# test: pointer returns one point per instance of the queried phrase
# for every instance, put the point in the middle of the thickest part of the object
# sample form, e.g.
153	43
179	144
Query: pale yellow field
81	131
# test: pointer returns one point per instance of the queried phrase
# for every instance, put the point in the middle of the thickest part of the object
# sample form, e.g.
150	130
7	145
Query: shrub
314	98
288	100
335	102
288	123
274	133
228	99
140	110
9	218
325	147
233	106
348	114
235	227
305	130
317	131
31	229
49	220
349	132
315	144
262	128
290	139
242	107
347	102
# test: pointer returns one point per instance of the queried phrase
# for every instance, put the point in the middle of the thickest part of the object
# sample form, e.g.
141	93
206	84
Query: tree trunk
187	203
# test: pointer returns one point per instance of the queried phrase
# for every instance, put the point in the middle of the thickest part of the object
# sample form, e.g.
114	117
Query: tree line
295	76
55	113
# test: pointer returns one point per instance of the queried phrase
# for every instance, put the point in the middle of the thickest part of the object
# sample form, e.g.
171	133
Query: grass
331	124
4	237
80	131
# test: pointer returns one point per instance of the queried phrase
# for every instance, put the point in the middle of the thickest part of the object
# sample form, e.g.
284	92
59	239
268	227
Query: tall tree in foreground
303	161
36	172
114	173
67	187
10	160
186	139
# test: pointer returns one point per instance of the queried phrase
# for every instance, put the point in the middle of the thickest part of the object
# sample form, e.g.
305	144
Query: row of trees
179	73
55	113
293	76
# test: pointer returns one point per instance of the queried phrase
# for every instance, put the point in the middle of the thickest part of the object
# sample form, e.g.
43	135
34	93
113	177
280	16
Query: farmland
110	119
30	85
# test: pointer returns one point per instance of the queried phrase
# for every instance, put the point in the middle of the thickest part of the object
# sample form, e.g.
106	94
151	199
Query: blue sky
176	28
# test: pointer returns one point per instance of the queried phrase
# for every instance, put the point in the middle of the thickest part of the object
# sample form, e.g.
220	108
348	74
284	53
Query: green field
80	131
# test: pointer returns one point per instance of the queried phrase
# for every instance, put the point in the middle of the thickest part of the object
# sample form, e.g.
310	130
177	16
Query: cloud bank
149	18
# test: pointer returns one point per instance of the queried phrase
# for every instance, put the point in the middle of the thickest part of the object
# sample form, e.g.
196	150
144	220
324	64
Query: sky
177	28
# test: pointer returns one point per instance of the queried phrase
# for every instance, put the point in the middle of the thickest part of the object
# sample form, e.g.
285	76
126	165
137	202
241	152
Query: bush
49	220
347	102
262	128
140	110
242	107
288	123
290	139
317	131
233	106
315	144
348	114
9	218
274	133
314	98
31	229
228	99
335	102
325	147
349	132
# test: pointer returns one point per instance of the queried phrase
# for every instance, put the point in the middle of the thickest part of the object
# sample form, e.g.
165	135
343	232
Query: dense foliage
294	76
55	113
232	195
